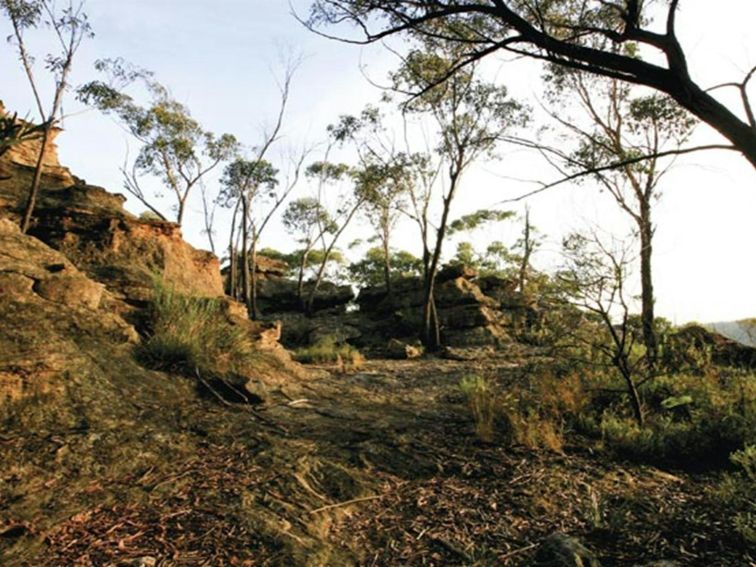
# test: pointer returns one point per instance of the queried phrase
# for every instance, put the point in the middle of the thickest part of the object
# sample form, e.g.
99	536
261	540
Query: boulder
403	351
489	335
92	229
28	267
279	295
335	330
501	289
454	271
466	354
51	325
468	316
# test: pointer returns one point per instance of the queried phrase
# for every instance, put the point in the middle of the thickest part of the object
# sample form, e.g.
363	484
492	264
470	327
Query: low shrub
328	351
736	492
187	334
692	421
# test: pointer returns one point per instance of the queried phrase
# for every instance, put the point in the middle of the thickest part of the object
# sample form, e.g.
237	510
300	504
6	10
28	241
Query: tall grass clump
328	351
482	401
188	334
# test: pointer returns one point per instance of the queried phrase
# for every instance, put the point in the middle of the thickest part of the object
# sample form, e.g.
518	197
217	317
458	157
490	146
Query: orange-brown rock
50	321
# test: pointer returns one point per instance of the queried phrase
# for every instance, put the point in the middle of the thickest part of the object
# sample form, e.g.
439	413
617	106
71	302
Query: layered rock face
468	316
92	229
73	289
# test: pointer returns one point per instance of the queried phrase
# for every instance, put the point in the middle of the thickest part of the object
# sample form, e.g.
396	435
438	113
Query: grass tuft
189	333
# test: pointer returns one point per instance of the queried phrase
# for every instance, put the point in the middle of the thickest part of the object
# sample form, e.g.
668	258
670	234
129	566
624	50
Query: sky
221	57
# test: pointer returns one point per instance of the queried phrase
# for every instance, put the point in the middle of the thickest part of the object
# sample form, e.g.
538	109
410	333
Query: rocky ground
378	468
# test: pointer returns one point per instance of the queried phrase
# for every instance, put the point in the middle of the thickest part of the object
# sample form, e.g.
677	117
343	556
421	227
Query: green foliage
477	219
328	351
187	334
14	131
369	271
244	178
692	421
175	147
736	492
305	218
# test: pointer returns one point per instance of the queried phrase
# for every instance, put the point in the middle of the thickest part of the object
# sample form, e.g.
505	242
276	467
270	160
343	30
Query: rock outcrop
93	230
468	316
73	290
52	320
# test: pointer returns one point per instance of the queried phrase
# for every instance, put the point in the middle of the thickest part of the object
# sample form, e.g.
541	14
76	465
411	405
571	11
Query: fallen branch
347	503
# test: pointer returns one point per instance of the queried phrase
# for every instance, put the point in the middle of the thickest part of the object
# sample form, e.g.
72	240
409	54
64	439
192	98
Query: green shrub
328	351
736	492
187	334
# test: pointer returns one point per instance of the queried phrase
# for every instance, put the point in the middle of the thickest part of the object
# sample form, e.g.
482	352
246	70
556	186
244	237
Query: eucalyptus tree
308	220
382	177
589	36
471	117
69	26
175	148
333	224
249	182
620	125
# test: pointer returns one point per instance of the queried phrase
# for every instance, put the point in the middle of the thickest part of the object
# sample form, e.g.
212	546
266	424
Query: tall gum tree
583	35
470	117
619	126
175	148
69	26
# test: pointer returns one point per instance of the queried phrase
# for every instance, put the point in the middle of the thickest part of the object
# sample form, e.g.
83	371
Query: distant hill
743	331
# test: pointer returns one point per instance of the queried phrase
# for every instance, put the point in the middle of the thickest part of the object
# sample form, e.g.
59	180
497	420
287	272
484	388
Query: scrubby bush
329	351
692	421
736	492
189	334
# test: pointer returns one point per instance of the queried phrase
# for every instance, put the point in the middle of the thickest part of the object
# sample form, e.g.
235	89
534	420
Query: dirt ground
376	468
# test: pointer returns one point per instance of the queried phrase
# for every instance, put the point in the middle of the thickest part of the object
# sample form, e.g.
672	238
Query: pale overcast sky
216	56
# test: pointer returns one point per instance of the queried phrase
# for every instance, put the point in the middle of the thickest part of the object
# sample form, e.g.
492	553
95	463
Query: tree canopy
630	40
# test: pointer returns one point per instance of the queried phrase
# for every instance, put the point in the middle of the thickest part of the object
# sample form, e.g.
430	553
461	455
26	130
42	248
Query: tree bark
647	286
31	201
253	304
245	253
387	264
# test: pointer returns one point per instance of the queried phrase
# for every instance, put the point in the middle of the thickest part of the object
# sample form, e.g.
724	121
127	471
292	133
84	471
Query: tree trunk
387	265
253	308
300	279
233	274
180	213
647	287
245	253
431	328
632	390
31	201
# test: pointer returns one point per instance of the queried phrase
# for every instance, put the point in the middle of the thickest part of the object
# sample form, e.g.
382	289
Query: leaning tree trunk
245	254
31	202
431	328
647	286
253	308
